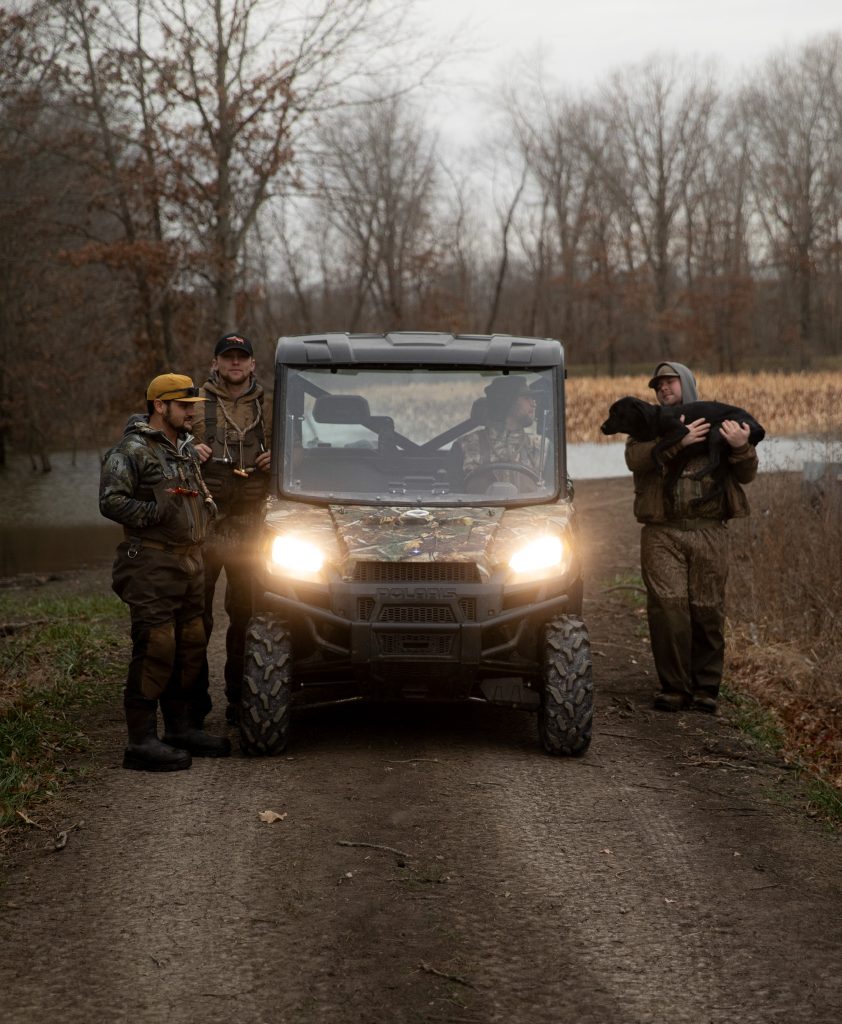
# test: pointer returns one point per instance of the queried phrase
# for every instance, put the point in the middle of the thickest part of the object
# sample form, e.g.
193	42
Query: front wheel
265	707
565	717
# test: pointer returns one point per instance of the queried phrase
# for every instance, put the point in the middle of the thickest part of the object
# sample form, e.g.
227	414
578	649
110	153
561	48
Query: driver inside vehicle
504	451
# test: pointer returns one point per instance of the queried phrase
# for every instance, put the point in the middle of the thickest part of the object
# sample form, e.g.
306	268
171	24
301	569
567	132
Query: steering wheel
491	467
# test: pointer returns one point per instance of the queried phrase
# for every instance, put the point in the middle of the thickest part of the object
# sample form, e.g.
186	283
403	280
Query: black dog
646	422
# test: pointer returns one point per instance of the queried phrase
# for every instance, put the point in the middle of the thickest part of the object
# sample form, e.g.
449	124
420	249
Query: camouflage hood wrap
485	537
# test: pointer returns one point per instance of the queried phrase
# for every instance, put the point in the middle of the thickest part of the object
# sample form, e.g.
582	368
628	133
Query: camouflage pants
164	592
685	572
230	547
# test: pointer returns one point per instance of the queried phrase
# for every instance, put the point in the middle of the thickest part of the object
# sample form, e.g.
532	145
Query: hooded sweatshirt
689	391
650	504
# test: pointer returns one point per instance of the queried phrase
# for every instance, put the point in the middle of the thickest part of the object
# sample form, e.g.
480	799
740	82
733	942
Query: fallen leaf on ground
271	816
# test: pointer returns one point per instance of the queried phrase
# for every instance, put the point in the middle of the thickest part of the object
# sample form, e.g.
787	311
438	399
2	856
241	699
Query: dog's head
631	416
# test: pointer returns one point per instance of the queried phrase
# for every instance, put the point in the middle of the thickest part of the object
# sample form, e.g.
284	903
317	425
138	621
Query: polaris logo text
416	594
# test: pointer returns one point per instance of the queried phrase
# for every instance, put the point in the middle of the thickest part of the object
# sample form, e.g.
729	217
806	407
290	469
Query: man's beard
184	427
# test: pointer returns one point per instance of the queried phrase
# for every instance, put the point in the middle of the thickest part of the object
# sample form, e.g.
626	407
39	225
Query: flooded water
51	521
598	461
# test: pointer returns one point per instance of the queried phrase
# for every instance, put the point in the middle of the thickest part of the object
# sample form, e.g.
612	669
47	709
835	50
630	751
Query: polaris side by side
416	547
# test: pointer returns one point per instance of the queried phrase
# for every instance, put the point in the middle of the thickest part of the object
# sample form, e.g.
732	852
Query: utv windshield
425	436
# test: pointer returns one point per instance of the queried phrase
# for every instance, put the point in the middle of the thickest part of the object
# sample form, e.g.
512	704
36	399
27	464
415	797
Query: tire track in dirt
547	888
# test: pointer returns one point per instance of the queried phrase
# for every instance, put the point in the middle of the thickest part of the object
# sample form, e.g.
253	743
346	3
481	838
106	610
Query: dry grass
787	404
785	611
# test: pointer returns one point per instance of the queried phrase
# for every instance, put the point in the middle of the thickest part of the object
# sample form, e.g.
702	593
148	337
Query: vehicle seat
341	409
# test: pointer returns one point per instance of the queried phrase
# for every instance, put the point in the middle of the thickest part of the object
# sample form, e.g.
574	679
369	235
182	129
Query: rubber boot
145	752
183	734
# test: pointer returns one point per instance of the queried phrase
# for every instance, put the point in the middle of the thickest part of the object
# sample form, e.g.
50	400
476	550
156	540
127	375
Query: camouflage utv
420	541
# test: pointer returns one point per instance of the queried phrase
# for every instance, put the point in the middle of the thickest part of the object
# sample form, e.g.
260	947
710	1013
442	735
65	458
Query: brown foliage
785	606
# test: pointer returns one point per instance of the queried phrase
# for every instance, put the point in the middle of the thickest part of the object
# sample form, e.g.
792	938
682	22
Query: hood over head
689	391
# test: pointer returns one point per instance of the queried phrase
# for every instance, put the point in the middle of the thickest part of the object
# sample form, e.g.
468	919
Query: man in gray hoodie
684	550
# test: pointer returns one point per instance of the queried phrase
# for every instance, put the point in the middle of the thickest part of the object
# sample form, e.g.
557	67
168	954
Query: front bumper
424	641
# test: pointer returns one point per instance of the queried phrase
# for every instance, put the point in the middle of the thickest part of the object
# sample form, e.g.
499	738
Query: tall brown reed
785	611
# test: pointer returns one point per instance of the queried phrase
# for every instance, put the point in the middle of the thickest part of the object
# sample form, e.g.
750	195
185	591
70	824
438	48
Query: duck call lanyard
240	435
182	483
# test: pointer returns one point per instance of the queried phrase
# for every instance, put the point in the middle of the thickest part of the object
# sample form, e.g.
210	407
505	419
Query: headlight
294	556
542	556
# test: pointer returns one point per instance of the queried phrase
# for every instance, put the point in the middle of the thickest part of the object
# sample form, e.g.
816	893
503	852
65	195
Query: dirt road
435	865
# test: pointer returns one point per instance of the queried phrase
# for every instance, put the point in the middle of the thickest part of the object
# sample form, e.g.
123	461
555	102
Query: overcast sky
588	37
583	40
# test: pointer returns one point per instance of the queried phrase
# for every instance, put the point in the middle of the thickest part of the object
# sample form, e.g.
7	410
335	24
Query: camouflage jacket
494	445
153	488
649	485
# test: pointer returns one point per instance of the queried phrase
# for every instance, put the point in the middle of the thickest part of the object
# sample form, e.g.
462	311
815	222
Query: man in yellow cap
151	484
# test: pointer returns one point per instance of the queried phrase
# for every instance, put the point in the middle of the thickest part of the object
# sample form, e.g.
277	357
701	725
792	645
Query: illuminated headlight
294	556
542	556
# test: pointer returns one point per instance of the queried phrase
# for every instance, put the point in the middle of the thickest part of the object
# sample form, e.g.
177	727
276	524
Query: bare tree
248	88
795	114
550	133
505	216
40	194
658	121
718	286
112	136
378	187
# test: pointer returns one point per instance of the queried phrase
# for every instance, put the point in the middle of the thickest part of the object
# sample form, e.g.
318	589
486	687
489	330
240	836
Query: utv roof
402	348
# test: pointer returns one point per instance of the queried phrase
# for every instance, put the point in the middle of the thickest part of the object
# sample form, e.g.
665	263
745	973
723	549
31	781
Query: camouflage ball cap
173	387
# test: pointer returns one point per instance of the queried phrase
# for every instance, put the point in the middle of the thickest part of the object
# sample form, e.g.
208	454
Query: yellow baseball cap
173	387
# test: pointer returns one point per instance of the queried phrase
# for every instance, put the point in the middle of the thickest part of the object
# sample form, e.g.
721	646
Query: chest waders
236	485
239	489
164	589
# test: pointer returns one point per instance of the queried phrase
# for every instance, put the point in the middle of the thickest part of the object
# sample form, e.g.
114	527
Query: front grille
416	572
414	644
365	607
468	608
416	613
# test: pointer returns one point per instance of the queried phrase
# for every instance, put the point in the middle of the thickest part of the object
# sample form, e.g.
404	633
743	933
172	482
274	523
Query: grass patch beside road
785	617
58	656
